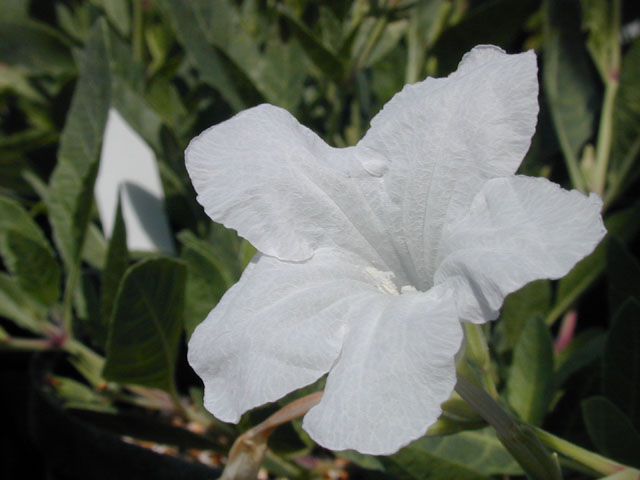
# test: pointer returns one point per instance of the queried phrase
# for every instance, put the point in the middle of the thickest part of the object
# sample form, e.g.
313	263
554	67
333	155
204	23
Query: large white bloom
372	256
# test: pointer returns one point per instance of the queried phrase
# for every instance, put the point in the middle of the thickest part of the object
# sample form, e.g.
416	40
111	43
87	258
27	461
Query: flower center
383	281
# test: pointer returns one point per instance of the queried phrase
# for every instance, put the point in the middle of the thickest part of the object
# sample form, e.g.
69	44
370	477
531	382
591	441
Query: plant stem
592	460
67	299
478	350
32	344
526	442
605	131
138	31
517	437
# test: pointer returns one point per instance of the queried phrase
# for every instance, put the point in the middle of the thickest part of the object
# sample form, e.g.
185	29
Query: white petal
442	139
396	367
279	328
517	230
285	190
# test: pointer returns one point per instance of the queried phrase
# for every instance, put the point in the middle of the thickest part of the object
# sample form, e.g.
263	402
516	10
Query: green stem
581	455
478	351
67	299
31	344
605	131
517	438
138	31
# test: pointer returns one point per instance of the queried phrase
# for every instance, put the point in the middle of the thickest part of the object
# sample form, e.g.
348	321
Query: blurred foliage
175	67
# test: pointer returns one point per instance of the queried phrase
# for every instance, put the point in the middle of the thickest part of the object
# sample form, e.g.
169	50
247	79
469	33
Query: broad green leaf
192	34
624	225
34	47
529	386
207	279
621	374
33	264
623	274
114	269
145	329
17	306
611	431
532	300
479	450
71	184
473	455
569	81
625	145
27	254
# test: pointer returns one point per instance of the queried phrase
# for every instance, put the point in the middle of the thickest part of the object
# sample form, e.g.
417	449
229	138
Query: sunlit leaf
71	184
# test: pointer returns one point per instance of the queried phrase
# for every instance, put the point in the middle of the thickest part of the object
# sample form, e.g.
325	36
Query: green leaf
191	32
625	144
271	65
145	330
623	274
94	250
529	386
611	431
601	18
621	363
118	13
569	81
17	306
207	279
624	225
14	217
34	265
115	267
323	58
34	47
471	455
532	300
27	254
71	185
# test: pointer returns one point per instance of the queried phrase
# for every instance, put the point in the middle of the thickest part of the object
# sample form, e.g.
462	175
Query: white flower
372	256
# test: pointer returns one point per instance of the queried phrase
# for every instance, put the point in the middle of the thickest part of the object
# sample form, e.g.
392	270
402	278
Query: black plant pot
74	448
